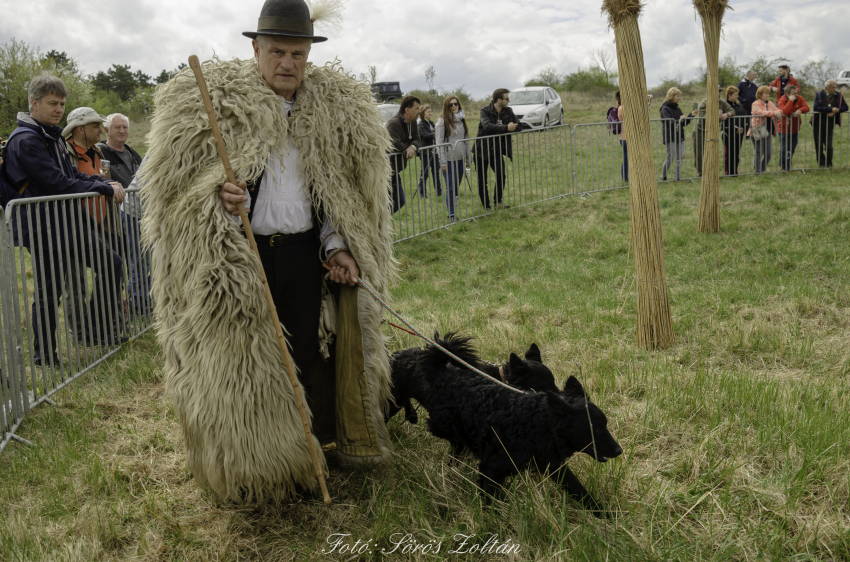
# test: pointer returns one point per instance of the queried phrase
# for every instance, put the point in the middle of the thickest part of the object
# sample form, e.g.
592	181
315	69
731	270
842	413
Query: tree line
600	77
116	90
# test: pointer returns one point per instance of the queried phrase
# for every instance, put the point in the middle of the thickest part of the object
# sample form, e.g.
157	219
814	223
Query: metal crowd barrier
75	285
74	279
581	159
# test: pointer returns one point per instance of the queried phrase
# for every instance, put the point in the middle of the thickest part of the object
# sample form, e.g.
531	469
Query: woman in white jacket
451	128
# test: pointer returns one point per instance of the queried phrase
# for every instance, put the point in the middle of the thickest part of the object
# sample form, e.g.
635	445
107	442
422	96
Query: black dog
409	379
507	430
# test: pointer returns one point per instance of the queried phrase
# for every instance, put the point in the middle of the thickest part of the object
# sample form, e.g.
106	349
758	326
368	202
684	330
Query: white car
537	106
843	80
387	110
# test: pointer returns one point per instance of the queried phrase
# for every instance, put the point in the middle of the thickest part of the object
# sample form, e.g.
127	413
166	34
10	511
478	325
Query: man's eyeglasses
454	104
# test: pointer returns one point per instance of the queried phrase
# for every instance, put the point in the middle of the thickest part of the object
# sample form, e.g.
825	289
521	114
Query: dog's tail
460	346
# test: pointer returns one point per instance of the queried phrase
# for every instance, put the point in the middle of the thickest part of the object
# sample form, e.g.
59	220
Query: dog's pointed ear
556	401
517	365
436	335
573	387
533	353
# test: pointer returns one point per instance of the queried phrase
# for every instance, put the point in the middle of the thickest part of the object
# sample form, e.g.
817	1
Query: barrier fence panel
11	409
514	169
65	262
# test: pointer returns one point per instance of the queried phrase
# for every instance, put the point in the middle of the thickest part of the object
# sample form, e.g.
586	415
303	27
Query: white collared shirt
283	205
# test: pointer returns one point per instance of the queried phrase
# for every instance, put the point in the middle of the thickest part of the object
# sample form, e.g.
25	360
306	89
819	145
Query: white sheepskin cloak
224	372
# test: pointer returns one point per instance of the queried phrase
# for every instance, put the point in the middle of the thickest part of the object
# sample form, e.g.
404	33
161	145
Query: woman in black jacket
430	161
733	133
673	132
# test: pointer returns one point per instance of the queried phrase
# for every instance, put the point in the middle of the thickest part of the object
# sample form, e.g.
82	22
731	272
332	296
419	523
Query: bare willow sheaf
654	322
711	12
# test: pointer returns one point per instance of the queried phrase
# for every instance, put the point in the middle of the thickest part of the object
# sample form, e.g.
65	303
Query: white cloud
479	44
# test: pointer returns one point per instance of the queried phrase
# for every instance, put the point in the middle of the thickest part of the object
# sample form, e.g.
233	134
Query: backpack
8	190
614	124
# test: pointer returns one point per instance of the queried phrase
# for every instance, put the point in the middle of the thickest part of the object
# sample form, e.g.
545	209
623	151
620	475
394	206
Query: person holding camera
496	119
792	105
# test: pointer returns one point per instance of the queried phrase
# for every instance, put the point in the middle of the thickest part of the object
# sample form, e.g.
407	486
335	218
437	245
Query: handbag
761	132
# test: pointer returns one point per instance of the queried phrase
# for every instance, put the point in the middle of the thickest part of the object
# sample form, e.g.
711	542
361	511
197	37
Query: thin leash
419	334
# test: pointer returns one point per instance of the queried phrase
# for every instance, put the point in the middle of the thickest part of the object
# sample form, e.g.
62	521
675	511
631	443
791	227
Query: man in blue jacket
747	89
828	107
37	165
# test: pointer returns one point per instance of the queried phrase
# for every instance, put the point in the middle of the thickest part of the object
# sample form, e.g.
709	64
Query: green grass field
736	437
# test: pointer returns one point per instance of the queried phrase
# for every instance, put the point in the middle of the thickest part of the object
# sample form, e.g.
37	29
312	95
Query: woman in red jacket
792	105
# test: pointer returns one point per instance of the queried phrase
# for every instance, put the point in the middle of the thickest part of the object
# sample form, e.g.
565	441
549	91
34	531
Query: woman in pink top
624	167
764	113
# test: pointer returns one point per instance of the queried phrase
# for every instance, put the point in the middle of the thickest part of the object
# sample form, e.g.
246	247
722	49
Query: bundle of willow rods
654	323
711	12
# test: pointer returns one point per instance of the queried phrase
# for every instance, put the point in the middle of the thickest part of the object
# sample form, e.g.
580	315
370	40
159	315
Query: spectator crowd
78	239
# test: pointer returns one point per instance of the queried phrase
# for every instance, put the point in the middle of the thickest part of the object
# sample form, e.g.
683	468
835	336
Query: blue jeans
453	176
430	163
624	168
139	268
787	146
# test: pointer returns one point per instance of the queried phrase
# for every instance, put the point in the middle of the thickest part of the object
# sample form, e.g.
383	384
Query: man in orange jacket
782	81
792	105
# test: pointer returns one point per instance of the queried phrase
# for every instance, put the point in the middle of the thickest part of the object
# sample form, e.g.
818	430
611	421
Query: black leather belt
279	240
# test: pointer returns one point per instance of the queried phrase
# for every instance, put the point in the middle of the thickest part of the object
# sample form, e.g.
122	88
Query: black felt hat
285	18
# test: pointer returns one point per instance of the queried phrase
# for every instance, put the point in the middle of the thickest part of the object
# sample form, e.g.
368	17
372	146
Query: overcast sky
478	44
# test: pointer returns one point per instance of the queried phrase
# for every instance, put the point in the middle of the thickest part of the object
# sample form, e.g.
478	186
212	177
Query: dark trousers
823	140
430	166
138	268
294	273
624	167
732	152
82	249
396	191
787	146
497	164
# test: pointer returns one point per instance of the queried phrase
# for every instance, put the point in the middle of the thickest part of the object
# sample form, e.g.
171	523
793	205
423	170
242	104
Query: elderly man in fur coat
310	146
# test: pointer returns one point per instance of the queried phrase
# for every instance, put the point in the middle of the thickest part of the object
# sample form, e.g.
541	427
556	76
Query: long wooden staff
290	367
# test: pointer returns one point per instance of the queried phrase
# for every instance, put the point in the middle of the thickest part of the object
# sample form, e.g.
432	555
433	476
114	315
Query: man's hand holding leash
342	267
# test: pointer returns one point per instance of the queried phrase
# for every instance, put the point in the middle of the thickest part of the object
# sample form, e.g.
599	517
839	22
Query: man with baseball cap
82	132
38	164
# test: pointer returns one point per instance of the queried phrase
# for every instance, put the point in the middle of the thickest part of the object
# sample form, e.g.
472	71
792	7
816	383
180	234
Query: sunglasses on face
454	104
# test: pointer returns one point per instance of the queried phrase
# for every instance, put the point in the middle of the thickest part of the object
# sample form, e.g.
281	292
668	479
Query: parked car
843	79
537	107
387	110
386	91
